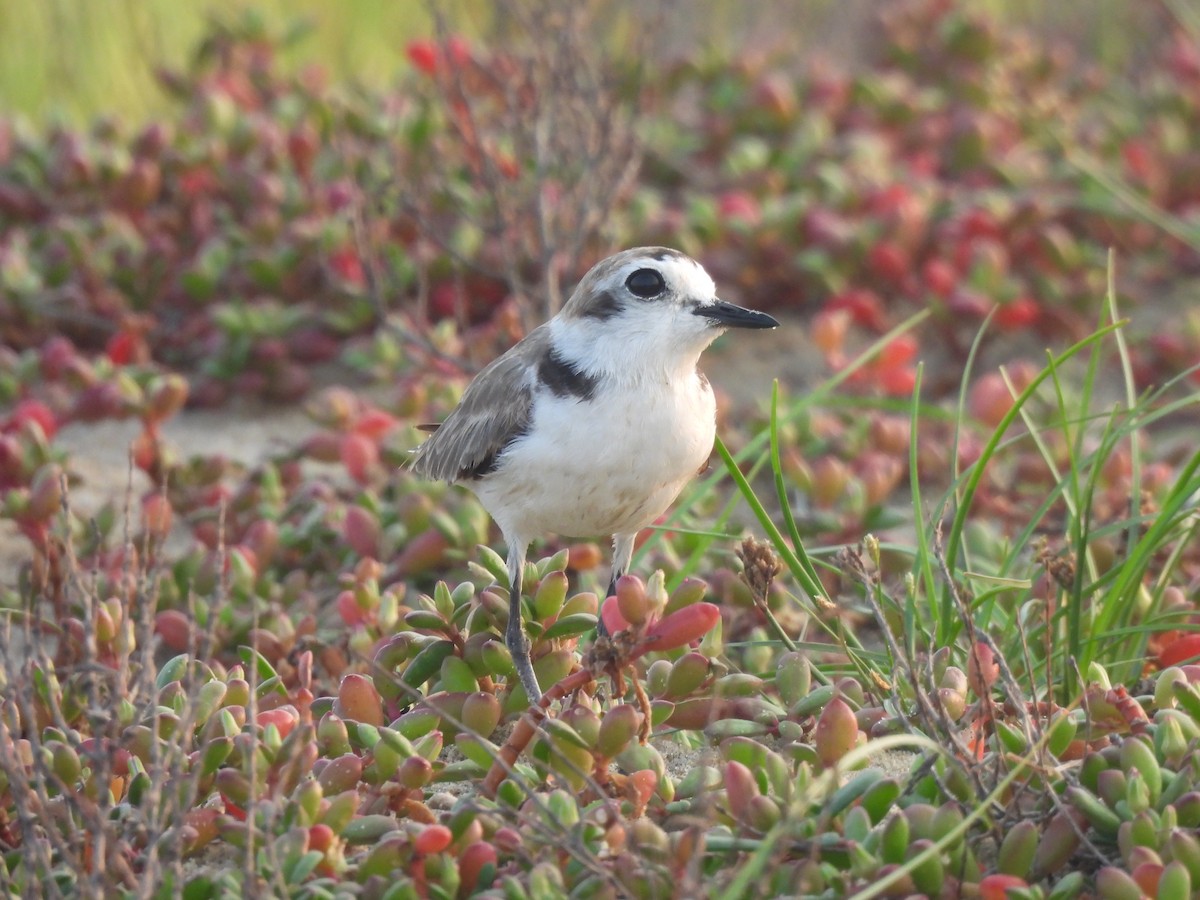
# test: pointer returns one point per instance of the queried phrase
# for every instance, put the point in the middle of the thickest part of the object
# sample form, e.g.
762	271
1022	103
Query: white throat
628	351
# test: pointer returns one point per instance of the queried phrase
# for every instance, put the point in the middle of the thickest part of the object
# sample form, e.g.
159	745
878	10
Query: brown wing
493	412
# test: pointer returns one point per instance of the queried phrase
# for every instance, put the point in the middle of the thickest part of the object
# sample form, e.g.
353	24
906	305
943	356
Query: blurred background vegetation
69	60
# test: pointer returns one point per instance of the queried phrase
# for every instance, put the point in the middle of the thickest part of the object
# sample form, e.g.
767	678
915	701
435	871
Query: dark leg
612	584
514	635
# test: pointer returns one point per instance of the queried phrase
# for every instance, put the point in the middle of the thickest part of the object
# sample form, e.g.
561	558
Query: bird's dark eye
645	283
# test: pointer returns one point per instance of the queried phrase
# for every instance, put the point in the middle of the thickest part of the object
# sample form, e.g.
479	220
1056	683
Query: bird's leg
622	554
514	634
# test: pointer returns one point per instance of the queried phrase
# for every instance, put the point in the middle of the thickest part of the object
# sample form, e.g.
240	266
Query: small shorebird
594	422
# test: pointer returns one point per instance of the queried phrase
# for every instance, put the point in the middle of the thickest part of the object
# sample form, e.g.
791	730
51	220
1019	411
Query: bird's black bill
731	316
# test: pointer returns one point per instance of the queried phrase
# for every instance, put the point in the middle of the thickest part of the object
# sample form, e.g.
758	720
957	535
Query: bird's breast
606	465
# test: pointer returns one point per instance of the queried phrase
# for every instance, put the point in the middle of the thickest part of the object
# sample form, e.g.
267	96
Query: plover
594	422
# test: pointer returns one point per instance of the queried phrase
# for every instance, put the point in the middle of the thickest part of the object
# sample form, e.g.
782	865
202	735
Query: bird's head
649	305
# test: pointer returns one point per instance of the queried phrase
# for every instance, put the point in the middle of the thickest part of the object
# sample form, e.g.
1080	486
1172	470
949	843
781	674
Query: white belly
610	465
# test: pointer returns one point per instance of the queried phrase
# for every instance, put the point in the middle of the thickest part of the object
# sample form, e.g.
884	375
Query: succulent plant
299	663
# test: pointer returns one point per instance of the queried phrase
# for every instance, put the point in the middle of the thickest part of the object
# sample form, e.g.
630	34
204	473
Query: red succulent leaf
897	382
1018	313
433	839
33	411
124	348
898	352
360	456
374	423
425	55
681	628
233	809
864	307
610	615
283	717
346	263
472	861
1179	650
996	887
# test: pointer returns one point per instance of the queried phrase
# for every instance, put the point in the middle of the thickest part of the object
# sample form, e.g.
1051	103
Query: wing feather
494	411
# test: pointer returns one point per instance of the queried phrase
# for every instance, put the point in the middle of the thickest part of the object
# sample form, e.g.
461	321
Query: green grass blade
923	556
781	490
798	563
975	473
948	622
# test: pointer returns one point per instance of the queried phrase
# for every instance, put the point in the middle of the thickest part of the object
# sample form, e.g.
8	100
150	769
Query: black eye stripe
646	283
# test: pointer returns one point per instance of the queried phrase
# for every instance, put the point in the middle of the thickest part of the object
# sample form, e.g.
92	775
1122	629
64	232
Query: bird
593	422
